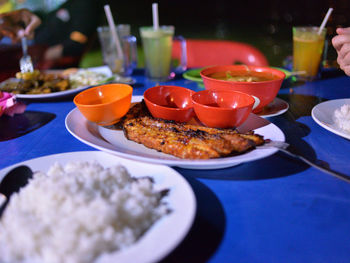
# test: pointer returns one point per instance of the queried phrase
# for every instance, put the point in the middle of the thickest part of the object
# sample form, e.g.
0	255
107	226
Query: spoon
13	181
282	146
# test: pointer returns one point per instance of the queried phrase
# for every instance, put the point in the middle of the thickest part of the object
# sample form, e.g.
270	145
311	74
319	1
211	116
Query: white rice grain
342	117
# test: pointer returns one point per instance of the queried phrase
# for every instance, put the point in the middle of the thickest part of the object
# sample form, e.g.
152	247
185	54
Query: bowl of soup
262	82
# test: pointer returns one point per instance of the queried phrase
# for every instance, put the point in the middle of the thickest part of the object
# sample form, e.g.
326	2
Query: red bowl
170	103
265	90
222	108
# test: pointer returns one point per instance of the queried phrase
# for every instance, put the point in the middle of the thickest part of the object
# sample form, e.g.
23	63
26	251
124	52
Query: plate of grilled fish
141	137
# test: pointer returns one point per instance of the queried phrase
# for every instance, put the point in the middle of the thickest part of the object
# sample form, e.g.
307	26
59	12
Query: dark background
266	24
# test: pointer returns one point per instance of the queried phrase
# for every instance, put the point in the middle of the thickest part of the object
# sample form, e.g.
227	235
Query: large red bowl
266	90
170	103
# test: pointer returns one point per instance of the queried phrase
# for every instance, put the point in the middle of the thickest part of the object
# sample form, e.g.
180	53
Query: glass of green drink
157	48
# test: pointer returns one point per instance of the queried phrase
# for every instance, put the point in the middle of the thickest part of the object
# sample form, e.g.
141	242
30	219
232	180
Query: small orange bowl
104	104
223	109
170	103
266	90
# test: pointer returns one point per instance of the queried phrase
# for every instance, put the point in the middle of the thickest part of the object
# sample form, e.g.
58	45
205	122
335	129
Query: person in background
341	43
66	25
17	24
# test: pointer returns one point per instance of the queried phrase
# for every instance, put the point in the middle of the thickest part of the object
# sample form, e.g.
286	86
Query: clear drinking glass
110	54
123	30
307	51
157	48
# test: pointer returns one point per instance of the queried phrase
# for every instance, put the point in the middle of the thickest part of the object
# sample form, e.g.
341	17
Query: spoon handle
24	46
325	170
282	146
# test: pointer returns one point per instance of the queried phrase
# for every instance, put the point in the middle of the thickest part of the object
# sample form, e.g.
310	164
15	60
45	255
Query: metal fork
282	146
25	62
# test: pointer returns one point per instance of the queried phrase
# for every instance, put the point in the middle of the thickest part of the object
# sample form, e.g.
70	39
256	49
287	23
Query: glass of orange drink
308	47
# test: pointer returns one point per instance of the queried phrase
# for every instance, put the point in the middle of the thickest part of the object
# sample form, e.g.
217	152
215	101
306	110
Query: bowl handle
256	103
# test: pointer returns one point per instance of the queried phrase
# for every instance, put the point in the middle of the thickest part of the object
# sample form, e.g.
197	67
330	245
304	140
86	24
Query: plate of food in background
333	115
193	75
56	83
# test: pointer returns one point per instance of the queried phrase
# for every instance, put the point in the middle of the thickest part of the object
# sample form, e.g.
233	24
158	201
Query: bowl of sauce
262	82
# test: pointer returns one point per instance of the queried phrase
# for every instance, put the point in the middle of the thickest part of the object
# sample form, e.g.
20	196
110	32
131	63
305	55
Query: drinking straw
155	16
325	19
296	73
113	29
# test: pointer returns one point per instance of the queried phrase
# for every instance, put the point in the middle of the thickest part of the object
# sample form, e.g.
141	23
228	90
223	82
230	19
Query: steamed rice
77	212
84	77
342	117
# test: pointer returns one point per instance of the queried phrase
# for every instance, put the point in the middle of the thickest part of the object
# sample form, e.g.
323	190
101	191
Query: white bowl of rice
84	212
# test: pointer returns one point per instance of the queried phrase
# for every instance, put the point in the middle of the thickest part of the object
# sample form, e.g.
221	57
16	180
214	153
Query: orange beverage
307	50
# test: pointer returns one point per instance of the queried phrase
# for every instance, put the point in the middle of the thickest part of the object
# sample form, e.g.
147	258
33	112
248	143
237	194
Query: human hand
18	23
341	43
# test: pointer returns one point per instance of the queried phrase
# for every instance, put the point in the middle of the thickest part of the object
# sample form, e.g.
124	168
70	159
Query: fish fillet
187	141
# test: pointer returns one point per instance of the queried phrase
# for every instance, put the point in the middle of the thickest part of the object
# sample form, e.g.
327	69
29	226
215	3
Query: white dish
103	69
114	142
275	108
167	232
323	115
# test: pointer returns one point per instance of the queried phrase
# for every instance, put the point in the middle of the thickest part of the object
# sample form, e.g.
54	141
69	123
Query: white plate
167	232
323	115
105	70
113	141
275	108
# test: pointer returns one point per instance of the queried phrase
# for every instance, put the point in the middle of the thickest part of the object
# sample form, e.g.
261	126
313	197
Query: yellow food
243	76
35	82
28	75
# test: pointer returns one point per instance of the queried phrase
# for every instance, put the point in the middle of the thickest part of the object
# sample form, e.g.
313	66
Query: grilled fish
183	140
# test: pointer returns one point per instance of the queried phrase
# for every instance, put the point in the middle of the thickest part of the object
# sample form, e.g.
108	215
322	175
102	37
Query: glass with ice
121	64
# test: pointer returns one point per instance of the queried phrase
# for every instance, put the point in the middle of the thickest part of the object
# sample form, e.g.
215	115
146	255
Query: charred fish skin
186	141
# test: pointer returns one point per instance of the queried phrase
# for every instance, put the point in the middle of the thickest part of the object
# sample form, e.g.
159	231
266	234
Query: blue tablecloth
276	209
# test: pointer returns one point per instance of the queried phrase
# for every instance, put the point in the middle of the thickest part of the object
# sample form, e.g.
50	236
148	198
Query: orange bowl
104	104
170	103
222	108
266	90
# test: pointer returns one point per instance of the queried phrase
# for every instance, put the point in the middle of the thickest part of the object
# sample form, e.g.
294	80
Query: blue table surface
276	209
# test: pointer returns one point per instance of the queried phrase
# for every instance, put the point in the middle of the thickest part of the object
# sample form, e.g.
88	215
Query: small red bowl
223	109
266	90
170	103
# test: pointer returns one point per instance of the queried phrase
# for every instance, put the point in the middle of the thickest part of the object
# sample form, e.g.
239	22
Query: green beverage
157	45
